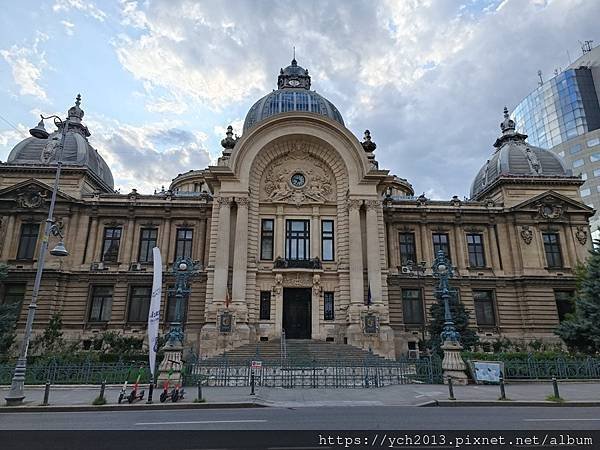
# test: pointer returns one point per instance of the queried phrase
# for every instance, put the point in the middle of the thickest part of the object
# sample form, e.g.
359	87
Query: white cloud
149	156
27	64
68	27
88	8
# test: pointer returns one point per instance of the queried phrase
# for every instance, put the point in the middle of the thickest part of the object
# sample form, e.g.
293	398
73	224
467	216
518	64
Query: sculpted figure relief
297	177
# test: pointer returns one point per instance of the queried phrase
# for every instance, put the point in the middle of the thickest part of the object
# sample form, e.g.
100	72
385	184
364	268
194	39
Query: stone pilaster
356	258
222	250
240	260
374	259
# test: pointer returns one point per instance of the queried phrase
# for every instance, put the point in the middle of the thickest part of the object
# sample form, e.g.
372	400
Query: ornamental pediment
551	206
30	194
297	177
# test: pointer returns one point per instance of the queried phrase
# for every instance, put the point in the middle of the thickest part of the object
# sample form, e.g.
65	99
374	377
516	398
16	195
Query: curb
134	407
451	403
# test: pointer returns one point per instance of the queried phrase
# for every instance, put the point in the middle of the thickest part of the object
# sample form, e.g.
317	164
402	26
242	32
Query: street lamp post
16	394
453	367
183	269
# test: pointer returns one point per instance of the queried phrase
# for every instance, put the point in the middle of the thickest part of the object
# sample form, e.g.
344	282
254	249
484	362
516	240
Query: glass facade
562	108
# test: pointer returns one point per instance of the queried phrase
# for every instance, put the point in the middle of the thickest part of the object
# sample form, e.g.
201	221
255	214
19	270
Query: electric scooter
176	393
124	388
134	395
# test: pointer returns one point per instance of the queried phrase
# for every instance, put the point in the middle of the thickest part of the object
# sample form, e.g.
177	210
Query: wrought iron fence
89	372
295	373
531	368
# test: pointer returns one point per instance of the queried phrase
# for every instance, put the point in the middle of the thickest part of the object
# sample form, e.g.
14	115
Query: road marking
201	422
555	420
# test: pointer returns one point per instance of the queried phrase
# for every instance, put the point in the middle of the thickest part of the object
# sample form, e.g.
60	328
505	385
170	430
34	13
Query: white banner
154	311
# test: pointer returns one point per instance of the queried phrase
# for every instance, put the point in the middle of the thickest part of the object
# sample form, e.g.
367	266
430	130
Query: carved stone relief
550	209
317	288
298	177
31	198
526	234
581	235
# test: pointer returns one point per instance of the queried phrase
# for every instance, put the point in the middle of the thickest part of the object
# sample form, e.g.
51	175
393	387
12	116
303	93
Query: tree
50	341
8	320
460	316
581	329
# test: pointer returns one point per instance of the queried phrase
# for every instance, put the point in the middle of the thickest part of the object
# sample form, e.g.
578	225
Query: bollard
46	394
502	391
200	390
555	386
102	389
450	389
252	383
150	392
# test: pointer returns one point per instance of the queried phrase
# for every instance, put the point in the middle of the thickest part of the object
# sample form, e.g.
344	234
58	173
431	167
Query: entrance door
296	313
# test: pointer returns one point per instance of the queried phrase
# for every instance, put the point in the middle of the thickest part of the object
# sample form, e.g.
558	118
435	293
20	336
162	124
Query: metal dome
77	150
514	157
293	94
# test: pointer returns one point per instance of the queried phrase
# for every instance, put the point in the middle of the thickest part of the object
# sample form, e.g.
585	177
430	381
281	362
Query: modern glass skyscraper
563	115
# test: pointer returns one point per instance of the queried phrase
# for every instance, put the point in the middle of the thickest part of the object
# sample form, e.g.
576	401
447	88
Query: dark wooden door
296	313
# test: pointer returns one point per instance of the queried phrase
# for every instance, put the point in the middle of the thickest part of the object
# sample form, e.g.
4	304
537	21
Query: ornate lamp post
183	269
16	395
452	365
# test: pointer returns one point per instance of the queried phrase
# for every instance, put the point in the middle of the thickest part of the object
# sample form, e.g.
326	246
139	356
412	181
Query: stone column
373	250
165	241
129	236
93	239
315	233
494	262
240	258
279	234
222	250
357	292
202	242
9	237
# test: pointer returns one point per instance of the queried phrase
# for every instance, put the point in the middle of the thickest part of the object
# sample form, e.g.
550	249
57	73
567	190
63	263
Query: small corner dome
293	94
77	150
514	157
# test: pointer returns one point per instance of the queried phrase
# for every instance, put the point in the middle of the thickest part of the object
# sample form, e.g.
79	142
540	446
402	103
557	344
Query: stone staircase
301	350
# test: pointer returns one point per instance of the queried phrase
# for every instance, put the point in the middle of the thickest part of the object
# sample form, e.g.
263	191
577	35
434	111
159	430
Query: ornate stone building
297	229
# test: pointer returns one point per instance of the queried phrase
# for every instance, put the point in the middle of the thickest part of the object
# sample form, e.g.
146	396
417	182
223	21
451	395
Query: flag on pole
369	298
227	298
154	311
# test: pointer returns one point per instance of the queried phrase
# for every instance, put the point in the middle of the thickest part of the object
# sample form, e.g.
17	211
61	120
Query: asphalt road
315	418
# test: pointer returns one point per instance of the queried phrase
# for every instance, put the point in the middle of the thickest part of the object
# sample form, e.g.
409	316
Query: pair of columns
373	248
240	255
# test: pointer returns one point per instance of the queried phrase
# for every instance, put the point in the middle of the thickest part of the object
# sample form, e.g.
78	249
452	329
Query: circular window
298	180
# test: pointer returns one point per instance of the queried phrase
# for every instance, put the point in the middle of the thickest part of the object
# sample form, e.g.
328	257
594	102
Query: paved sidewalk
402	395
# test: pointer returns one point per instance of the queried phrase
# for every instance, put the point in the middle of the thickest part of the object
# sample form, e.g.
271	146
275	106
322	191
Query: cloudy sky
161	80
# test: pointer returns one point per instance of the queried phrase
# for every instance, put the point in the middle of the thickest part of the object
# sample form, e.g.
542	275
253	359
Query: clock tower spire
293	76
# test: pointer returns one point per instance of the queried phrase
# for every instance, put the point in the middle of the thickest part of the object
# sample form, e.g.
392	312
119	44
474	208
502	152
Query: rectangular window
564	303
265	305
441	242
408	251
327	240
101	307
266	239
575	149
297	239
552	249
13	293
594	157
597	172
578	163
475	249
139	303
484	308
593	142
28	240
412	306
328	306
183	243
585	192
172	306
111	242
148	238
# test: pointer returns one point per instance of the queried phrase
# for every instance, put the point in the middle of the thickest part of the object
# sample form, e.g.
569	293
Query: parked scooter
136	394
124	388
176	393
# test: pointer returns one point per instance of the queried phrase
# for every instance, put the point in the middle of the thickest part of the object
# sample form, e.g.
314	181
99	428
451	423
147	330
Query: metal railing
561	368
297	373
89	372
